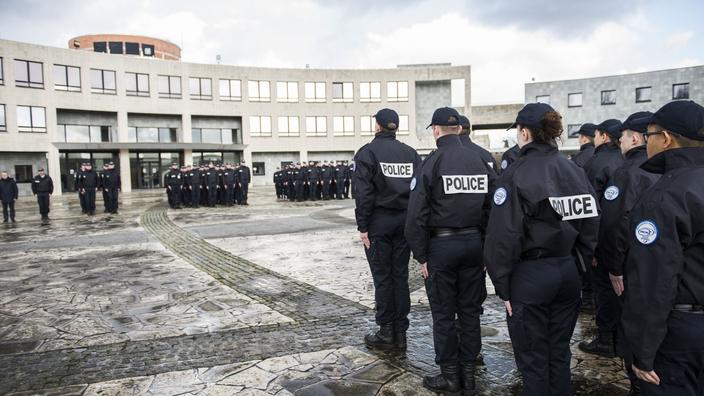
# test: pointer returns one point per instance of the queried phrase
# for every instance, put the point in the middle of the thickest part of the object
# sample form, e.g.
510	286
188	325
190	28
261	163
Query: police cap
683	117
611	126
387	119
587	129
445	116
464	121
637	122
531	115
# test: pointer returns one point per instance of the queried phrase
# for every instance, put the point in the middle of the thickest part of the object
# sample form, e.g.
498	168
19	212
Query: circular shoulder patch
413	184
611	193
646	232
500	196
504	164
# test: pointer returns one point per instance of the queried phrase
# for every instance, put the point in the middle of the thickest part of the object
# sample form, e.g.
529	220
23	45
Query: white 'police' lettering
396	170
465	184
574	207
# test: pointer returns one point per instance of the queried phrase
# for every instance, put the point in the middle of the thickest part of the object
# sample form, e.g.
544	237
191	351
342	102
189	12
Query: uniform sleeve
416	230
504	237
34	187
613	232
51	185
364	199
15	190
488	199
588	233
651	276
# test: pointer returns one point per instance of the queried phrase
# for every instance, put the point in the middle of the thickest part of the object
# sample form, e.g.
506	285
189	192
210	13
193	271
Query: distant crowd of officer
624	219
314	181
88	182
207	185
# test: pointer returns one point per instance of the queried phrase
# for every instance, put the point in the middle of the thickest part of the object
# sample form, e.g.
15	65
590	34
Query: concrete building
61	106
599	98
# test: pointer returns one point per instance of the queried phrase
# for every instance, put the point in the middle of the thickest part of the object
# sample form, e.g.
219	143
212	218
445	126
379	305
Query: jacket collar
688	157
607	147
637	152
448	140
385	135
586	146
535	148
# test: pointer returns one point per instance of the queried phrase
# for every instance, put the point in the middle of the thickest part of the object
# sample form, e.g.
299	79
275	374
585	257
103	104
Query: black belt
445	232
691	308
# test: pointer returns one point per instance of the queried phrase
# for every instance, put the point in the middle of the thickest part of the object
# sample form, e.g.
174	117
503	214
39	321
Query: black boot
602	345
467	379
400	339
480	360
382	339
447	381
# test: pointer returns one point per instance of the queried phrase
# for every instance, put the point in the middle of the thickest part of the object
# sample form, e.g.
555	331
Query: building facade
59	107
600	98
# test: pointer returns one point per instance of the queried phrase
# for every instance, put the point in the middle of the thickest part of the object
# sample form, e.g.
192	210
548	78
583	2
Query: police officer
382	179
277	182
173	182
663	311
312	179
340	176
326	175
299	180
42	188
211	184
111	184
81	196
101	176
8	196
586	144
195	185
229	178
544	212
88	183
509	157
448	208
186	186
623	190
600	168
467	141
244	178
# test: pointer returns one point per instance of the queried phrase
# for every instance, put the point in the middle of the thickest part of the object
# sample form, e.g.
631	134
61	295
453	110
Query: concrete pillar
188	156
122	132
125	171
54	168
303	154
247	156
186	130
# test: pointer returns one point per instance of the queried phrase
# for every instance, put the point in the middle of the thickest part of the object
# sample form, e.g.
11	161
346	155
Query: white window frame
171	94
313	91
102	90
139	91
574	95
39	127
347	92
370	91
202	81
394	91
3	119
259	91
316	126
233	87
287	91
403	127
288	126
68	87
367	125
343	126
260	126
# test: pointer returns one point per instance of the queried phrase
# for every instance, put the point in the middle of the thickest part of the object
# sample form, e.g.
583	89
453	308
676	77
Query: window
573	130
200	88
680	91
137	84
115	47
608	97
260	126
402	125
343	126
643	94
84	133
214	135
258	91
3	123
287	91
543	99
102	81
67	78
342	92
574	100
169	87
132	48
230	90
31	119
23	173
147	50
288	126
315	92
151	134
258	169
397	91
370	92
2	74
367	125
100	46
316	126
29	74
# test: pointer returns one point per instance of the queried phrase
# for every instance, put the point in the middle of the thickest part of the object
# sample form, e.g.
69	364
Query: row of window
119	47
608	97
29	119
30	74
288	126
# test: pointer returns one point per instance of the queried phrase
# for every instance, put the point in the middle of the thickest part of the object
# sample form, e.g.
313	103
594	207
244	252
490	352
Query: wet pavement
269	299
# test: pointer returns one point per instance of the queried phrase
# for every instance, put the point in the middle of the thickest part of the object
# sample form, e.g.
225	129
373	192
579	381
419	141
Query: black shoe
382	339
13	220
479	361
4	220
447	381
91	213
400	340
467	381
602	345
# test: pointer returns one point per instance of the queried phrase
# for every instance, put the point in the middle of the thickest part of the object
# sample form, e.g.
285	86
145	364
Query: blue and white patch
413	184
611	193
500	196
504	164
646	232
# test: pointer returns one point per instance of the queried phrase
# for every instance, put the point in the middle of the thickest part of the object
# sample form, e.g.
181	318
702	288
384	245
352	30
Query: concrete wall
429	96
494	114
36	160
79	117
271	162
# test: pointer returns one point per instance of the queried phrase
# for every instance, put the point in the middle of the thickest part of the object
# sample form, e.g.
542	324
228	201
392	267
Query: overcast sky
507	42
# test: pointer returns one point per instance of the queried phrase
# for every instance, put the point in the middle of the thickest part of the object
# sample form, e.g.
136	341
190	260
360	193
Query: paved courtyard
269	299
